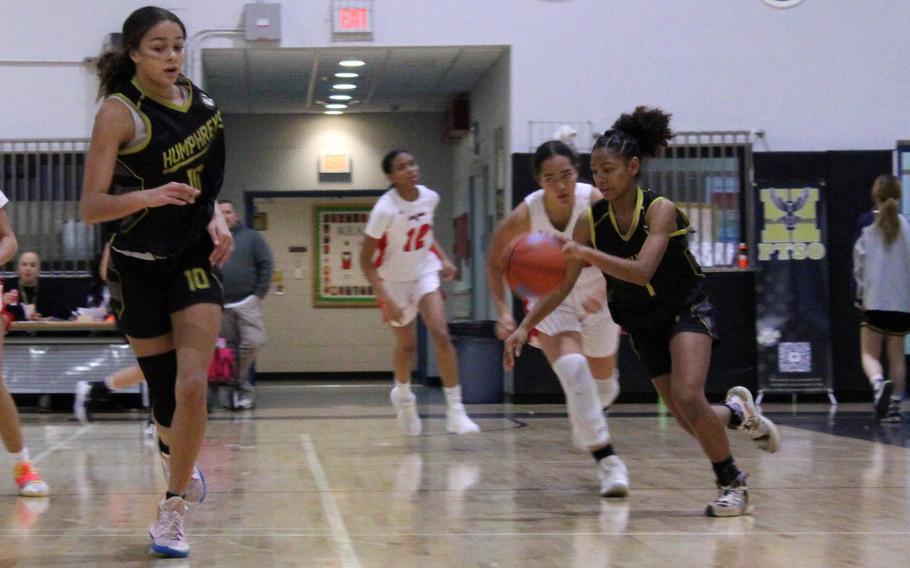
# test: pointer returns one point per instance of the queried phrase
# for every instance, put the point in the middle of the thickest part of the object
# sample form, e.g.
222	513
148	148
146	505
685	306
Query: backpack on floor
221	369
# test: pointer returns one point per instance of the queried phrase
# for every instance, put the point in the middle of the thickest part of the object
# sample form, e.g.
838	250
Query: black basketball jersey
678	280
183	143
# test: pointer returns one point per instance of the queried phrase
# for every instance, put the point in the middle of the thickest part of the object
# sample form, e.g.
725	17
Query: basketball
533	264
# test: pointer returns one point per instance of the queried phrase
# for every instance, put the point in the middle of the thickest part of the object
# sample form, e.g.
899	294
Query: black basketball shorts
144	293
651	339
889	323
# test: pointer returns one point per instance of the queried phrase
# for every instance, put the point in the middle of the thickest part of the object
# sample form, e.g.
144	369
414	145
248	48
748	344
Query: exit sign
352	20
355	20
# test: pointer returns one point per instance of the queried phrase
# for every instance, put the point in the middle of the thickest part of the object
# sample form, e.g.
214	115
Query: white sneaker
195	490
732	500
167	530
149	429
406	409
614	477
83	388
457	420
762	431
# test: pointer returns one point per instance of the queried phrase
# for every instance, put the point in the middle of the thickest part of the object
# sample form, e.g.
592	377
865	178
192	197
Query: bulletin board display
338	280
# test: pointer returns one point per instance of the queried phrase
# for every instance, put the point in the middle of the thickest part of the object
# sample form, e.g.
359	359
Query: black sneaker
894	413
882	400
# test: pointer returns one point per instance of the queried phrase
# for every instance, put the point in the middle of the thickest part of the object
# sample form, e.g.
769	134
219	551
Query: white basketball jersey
404	230
590	276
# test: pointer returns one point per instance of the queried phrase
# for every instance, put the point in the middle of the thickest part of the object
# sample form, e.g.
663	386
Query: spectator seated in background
38	298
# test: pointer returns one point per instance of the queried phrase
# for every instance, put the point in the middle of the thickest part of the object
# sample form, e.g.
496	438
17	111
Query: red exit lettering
354	19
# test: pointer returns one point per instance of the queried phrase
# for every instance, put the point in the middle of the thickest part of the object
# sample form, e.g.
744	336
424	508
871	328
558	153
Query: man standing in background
247	276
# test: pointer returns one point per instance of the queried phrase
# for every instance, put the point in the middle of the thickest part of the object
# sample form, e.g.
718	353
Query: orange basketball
533	264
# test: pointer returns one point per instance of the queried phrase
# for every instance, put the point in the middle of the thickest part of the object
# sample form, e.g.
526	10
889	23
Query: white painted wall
490	111
828	74
301	338
280	153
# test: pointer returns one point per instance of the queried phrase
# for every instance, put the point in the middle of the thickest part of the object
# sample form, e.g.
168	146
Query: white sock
21	456
453	395
402	390
876	380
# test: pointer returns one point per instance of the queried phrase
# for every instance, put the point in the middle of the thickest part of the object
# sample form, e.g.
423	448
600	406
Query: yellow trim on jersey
685	230
141	188
170	104
590	213
636	217
696	268
650	290
145	119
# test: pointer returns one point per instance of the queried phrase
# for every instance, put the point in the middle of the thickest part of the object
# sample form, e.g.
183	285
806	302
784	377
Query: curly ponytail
886	192
638	135
115	67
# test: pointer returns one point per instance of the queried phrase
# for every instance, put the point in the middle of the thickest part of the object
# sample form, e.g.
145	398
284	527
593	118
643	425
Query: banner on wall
793	326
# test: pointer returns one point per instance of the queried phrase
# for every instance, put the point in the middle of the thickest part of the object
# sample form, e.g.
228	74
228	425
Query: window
43	181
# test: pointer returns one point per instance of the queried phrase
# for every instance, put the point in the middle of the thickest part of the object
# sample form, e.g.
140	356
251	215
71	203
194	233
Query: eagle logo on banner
791	229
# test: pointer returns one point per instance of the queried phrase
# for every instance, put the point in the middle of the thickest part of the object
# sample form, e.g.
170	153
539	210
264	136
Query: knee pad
161	376
608	389
585	412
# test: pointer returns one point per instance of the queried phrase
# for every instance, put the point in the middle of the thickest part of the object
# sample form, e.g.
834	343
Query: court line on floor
336	522
298	533
81	431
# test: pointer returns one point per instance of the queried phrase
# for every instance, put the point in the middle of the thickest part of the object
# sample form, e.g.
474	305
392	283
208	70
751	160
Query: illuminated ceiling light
344	86
333	112
336	106
351	63
346	75
340	97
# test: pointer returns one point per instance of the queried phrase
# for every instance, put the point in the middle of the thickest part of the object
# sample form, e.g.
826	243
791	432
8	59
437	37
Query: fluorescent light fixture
344	86
346	75
351	63
333	112
340	97
336	106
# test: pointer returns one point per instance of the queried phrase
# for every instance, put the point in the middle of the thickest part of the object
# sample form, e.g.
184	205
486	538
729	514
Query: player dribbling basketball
640	242
579	338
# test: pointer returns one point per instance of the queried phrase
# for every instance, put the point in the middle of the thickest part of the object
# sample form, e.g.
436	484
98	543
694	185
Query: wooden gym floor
320	476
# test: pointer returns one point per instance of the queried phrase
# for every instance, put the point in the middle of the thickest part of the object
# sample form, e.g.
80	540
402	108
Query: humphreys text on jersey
193	146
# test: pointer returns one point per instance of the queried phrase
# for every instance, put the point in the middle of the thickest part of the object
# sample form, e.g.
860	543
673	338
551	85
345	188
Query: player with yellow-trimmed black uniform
165	250
639	241
155	166
672	301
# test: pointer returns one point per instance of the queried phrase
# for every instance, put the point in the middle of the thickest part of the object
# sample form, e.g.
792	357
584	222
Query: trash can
479	361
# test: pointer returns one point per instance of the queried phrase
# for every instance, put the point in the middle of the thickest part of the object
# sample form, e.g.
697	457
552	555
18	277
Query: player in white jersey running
402	261
579	338
24	473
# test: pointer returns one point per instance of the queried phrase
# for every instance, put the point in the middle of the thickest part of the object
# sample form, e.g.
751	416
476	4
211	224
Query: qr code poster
794	357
